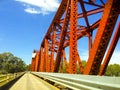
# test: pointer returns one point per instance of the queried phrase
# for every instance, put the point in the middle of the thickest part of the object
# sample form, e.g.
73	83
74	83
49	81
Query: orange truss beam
36	60
42	60
110	51
72	22
62	38
102	38
73	36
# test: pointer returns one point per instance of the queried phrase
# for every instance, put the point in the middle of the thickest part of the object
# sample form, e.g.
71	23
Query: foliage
113	70
11	64
84	63
28	67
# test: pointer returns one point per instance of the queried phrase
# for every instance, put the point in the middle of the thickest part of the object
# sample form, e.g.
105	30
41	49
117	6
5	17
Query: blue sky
23	24
22	28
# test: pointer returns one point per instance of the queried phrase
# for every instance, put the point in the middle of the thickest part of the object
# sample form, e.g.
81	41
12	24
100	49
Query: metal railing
8	77
82	82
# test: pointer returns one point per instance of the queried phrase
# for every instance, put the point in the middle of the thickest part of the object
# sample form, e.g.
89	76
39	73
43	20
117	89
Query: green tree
4	58
113	70
84	63
11	64
28	67
21	66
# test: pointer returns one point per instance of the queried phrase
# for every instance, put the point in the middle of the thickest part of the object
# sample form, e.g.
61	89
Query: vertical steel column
110	51
33	68
103	36
32	64
73	35
42	60
90	41
37	61
62	38
52	51
33	61
47	60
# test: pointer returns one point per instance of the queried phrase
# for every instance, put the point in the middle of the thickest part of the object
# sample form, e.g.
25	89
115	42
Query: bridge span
96	20
61	49
75	24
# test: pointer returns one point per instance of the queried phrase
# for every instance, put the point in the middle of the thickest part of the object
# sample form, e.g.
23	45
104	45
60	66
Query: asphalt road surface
31	82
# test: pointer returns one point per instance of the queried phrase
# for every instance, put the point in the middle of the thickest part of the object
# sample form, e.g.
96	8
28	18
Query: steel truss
65	31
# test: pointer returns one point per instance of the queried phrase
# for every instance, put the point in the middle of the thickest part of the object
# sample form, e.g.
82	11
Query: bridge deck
31	82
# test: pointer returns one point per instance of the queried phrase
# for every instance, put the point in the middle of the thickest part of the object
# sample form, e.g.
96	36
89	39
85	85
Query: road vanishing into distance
31	82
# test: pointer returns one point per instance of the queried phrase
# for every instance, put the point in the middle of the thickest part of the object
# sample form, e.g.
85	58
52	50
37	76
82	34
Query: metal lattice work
74	20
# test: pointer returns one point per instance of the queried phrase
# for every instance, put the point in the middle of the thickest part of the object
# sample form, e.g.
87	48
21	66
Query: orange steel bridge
74	20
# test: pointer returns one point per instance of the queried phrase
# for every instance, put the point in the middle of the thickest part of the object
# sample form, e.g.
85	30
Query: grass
4	78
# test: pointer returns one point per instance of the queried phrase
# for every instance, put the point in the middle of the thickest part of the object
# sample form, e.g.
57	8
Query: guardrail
82	82
8	77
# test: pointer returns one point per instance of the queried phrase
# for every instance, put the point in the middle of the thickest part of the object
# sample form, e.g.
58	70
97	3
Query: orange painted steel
36	60
42	60
62	38
110	51
52	52
33	64
47	60
73	36
74	20
102	38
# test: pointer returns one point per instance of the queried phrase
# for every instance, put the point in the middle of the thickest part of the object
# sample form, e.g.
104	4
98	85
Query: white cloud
32	11
39	6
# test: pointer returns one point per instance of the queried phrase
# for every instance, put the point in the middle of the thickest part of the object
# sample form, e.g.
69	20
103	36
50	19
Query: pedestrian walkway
31	82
